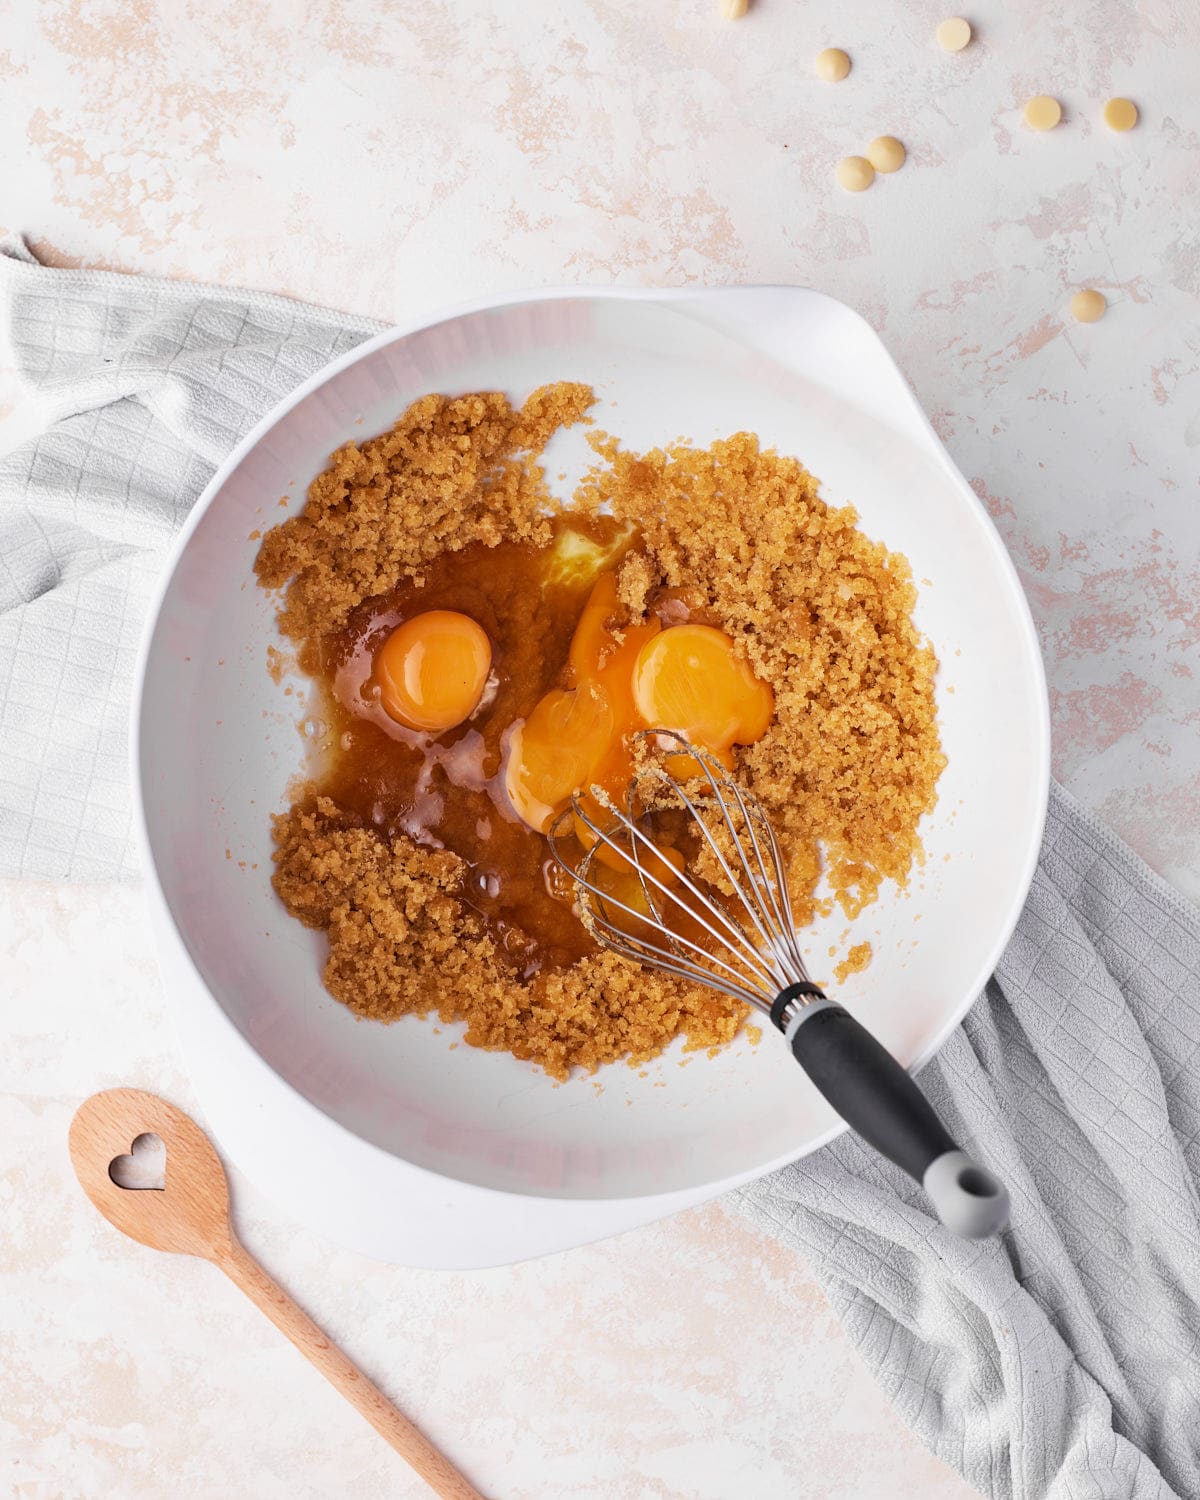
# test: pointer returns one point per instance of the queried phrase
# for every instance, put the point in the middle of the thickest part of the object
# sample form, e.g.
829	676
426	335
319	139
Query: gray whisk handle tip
969	1200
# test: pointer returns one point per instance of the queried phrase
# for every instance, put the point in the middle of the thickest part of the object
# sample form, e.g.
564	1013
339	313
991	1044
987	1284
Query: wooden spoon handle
412	1445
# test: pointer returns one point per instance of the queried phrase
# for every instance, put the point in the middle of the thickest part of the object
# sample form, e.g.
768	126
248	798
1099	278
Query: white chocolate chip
953	34
733	10
1088	306
1043	112
832	65
855	173
886	153
1120	114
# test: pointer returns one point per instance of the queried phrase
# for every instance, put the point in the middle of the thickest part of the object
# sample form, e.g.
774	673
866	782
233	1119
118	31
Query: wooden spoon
189	1214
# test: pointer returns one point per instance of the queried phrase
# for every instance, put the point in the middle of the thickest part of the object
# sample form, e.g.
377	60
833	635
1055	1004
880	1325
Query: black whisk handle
882	1104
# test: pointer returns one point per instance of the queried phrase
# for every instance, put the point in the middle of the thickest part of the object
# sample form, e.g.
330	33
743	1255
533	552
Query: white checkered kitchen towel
1062	1361
139	388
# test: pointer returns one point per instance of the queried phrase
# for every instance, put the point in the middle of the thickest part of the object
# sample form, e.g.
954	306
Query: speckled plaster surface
388	158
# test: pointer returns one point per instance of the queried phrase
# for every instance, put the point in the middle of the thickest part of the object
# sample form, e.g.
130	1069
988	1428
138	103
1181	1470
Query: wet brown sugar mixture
446	792
405	847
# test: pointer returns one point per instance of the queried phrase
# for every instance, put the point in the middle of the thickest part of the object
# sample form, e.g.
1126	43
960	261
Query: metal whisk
727	923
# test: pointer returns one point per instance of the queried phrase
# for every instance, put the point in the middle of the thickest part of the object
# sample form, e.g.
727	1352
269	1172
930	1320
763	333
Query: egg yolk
599	658
687	678
556	750
432	670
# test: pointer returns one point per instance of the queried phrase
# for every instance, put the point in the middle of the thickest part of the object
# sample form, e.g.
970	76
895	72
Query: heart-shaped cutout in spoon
144	1169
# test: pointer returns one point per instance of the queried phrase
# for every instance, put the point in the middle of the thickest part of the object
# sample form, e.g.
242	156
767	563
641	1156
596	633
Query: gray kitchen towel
136	389
1061	1361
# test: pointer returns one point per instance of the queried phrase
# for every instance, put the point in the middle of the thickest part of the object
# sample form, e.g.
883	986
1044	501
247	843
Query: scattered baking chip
1088	306
733	10
953	34
1120	114
832	65
886	153
1043	112
855	173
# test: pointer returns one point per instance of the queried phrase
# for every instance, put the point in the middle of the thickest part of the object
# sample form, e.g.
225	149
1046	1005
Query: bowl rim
166	926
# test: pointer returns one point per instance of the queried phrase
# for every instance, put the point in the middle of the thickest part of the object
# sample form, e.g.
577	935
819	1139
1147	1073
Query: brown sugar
824	615
449	473
435	901
854	962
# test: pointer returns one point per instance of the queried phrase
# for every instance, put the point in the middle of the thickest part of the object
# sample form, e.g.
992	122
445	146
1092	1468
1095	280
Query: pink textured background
391	157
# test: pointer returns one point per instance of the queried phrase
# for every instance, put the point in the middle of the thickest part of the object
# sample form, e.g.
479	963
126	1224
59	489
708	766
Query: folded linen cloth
139	388
1061	1361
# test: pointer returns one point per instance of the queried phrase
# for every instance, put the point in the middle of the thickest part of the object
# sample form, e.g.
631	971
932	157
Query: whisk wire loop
756	952
774	903
631	944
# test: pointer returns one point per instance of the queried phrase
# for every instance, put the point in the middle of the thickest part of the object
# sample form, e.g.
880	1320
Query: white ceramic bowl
385	1137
